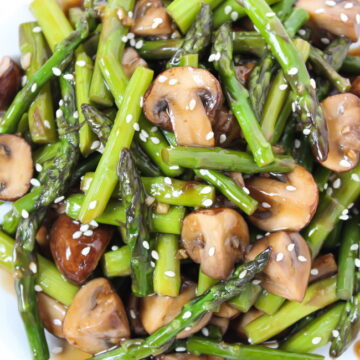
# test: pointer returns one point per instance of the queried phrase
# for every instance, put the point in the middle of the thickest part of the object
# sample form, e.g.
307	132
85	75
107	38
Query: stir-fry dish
182	177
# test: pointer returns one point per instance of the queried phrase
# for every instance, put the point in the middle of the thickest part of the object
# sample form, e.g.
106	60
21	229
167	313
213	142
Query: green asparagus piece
184	12
137	219
58	60
315	334
247	298
41	112
269	303
229	189
346	264
295	71
334	239
121	137
351	66
204	346
322	175
48	276
110	43
117	262
189	60
223	160
204	283
75	14
318	296
336	52
167	277
197	38
332	209
238	98
161	339
45	153
114	214
85	166
143	162
340	83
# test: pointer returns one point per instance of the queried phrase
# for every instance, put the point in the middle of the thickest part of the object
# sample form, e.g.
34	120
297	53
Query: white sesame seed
141	101
222	138
293	71
283	87
38	167
155	254
173	82
325	40
354	247
302	32
316	340
156	22
207	202
92	205
33	267
297	144
77	235
187	315
81	63
307	131
314	272
56	350
170	274
86	250
212	251
76	114
192	104
88	233
114	248
335	333
205	332
279	257
180	349
69	77
152	264
291	188
344	217
35	182
136	127
242	274
155	140
95	145
146	245
47	124
302	258
234	15
256	282
23	80
131	36
330	3
59	113
33	87
139	44
337	183
265	205
357	263
203	172
24	214
162	78
348	5
84	227
357	18
144	133
56	71
211	58
319	11
167	181
36	29
174	167
344	17
313	83
291	247
270	14
68	252
345	163
355	177
246	190
209	135
38	288
57	322
128	118
124	39
228	9
206	190
93	223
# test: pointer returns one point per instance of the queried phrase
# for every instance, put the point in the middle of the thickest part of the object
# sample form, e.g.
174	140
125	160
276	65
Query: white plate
13	344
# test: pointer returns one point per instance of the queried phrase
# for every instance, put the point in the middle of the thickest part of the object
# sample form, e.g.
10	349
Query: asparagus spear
204	283
117	262
238	99
269	303
161	339
203	346
110	43
247	298
126	121
315	334
223	160
351	65
295	71
197	38
41	111
58	61
336	52
137	218
318	295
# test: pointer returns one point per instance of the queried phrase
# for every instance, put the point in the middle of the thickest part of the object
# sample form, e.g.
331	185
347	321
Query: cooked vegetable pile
183	177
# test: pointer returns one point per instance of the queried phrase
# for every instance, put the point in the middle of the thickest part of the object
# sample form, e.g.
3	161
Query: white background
13	345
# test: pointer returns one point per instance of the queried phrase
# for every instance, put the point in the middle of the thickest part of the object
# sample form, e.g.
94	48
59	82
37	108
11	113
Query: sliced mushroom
16	167
182	357
77	249
226	128
355	86
151	19
342	115
131	60
237	326
216	239
10	81
67	4
243	72
226	311
185	100
52	314
221	323
339	17
324	266
96	320
157	311
287	273
287	201
134	316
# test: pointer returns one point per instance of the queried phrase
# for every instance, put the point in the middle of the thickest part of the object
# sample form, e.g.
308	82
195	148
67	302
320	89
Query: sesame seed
314	272
212	251
173	82
35	182
279	257
141	101
222	138
38	288
56	71
291	247
348	5
23	80
205	332
259	236
88	233
270	14
146	245
33	267
234	16
206	190
313	83
155	255
335	333
36	29
69	77
256	282
344	18
203	172
38	167
24	214
293	71
307	131
302	258
124	39
319	11
212	58
316	340
265	205
155	140
76	114
136	127
188	328
354	247
68	252
246	190
337	183
170	274
86	250
209	135
33	87
128	118
139	44
56	350
180	349
152	264
357	18
95	145
242	274
57	322
344	217
187	315
297	144
59	113
156	22
81	63
325	41
291	188
355	177
76	234
174	167
167	181
144	133
302	32
192	104
92	205
357	263
131	36
84	227
162	78
207	202
114	248
330	3
283	87
228	9
345	163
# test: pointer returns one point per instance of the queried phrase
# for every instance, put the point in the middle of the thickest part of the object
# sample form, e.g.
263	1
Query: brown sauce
357	349
70	353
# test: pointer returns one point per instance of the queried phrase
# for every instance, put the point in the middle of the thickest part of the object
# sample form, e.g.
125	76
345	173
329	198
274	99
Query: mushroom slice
221	323
226	128
324	266
10	81
339	18
355	86
226	311
151	19
131	60
342	115
243	72
237	326
287	201
157	311
96	320
77	249
288	271
216	239
185	100
16	167
52	314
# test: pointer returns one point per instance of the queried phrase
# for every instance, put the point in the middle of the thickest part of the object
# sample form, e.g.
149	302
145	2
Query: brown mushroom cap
216	239
16	167
52	314
337	19
132	60
287	273
226	311
185	100
96	320
151	19
76	253
342	115
157	311
287	202
10	81
226	128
